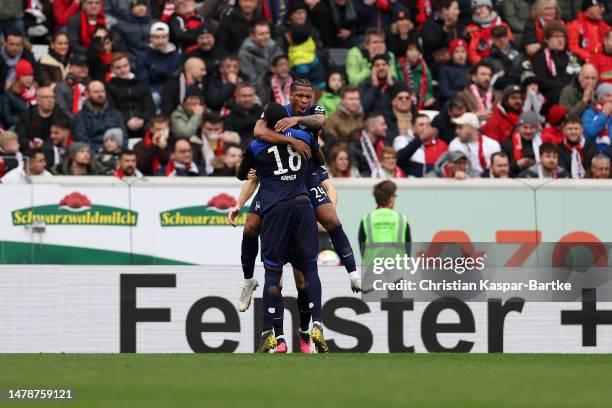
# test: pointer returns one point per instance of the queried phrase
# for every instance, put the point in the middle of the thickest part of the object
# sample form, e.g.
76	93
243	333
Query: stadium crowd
515	88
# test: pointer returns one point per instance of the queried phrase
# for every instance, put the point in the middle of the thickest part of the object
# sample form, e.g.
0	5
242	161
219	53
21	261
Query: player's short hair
116	56
370	116
348	89
258	22
548	147
417	116
273	112
159	119
481	64
498	154
383	192
554	27
374	32
300	82
572	119
127	152
62	122
212	117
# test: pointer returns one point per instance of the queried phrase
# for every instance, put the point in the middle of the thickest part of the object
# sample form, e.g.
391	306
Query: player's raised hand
231	216
285	124
302	148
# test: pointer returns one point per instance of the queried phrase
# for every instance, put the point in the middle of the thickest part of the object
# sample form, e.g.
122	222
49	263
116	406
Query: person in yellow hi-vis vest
384	231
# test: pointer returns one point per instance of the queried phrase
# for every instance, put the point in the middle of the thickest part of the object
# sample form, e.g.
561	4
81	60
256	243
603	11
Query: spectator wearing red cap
11	52
485	20
82	26
505	115
454	76
552	131
21	94
603	60
586	33
554	65
576	152
440	29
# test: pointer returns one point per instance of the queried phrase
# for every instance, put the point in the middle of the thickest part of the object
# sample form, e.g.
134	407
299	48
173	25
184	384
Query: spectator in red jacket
552	131
485	19
505	115
586	33
63	10
603	60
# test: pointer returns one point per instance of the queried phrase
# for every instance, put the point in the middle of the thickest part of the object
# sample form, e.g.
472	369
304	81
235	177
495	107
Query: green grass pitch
313	381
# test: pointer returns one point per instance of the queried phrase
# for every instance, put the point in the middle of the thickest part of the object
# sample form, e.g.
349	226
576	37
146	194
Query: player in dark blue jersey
288	228
319	186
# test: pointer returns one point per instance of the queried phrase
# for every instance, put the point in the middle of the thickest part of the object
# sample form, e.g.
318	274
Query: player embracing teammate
287	148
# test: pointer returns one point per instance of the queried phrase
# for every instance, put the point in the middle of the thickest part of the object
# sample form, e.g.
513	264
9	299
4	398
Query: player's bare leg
250	247
328	218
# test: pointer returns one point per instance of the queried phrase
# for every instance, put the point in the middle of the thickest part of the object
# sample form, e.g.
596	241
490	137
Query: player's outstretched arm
246	192
329	188
265	134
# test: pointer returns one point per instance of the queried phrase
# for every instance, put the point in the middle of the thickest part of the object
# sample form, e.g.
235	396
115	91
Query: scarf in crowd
371	154
517	144
424	10
577	162
539	28
28	94
106	58
168	11
78	96
417	96
550	63
190	21
10	63
349	12
172	167
88	30
481	156
485	103
281	95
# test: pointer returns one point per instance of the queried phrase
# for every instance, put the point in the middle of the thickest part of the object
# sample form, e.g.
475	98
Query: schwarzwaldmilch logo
75	209
214	213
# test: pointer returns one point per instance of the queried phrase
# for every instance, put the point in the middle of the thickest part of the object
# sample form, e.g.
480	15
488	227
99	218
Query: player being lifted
288	222
303	114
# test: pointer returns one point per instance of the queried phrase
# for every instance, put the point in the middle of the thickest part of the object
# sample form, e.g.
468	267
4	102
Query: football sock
270	298
278	315
302	301
342	246
313	289
248	255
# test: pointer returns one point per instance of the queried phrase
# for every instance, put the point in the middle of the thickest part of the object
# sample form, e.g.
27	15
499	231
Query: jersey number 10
295	160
